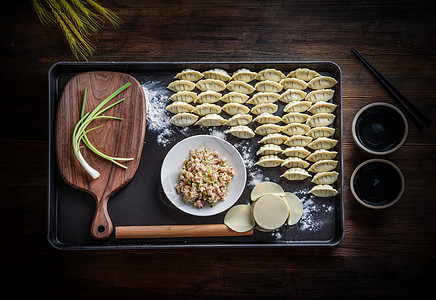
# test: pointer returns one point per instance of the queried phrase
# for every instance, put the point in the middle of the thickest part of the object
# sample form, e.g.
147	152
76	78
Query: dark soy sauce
377	183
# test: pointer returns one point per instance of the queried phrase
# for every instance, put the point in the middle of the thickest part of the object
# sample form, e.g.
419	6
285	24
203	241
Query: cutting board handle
101	228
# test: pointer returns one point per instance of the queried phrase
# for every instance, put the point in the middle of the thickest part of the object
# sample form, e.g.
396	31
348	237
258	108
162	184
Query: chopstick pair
413	111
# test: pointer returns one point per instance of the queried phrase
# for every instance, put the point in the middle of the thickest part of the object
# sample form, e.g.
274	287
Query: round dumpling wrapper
240	218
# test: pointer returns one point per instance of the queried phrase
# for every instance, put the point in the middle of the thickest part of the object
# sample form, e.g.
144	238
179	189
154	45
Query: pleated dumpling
270	74
266	129
268	86
210	85
294	118
321	154
323	166
264	108
322	143
206	109
298	140
235	108
269	161
325	177
179	107
322	107
189	74
263	97
269	149
267	118
208	97
241	131
296	129
320	120
234	97
292	95
296	151
318	132
181	85
320	95
218	74
294	83
185	96
183	119
274	138
295	162
211	120
240	87
304	74
295	174
244	75
323	190
297	106
322	82
239	119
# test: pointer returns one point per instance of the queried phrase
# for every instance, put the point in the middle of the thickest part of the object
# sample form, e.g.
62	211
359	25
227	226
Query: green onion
80	131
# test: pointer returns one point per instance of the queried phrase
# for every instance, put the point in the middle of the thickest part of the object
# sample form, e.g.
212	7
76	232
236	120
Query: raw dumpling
241	131
295	162
320	95
211	120
181	85
244	75
206	109
263	97
184	96
183	119
234	97
296	151
295	174
269	161
267	118
322	82
318	132
270	74
269	149
268	86
321	154
325	177
274	138
295	129
323	190
320	120
323	166
208	97
292	95
266	129
294	83
297	106
322	107
179	107
303	74
322	143
235	108
217	74
298	140
189	74
239	119
240	87
294	118
210	85
264	108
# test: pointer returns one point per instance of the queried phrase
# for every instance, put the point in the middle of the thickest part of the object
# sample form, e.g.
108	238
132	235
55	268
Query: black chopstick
397	94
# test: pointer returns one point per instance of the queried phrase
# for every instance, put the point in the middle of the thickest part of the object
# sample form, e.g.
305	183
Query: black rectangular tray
142	201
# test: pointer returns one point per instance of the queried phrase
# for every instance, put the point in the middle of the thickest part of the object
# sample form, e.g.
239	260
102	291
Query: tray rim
108	65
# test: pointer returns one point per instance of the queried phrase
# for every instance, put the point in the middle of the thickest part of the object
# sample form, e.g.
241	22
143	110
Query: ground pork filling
204	178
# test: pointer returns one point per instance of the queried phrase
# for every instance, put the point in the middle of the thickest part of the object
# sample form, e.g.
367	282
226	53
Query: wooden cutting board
118	138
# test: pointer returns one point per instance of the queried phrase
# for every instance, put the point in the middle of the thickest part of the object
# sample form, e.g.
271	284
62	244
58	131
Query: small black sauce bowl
377	183
379	128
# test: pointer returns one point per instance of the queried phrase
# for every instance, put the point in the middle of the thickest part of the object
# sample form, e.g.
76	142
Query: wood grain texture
117	138
385	254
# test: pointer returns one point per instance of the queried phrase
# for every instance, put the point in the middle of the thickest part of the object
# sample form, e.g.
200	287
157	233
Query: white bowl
172	165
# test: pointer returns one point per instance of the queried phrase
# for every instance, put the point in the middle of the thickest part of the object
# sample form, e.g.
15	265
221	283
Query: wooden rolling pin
172	231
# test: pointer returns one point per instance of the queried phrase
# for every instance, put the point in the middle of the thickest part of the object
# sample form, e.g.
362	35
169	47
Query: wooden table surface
385	254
